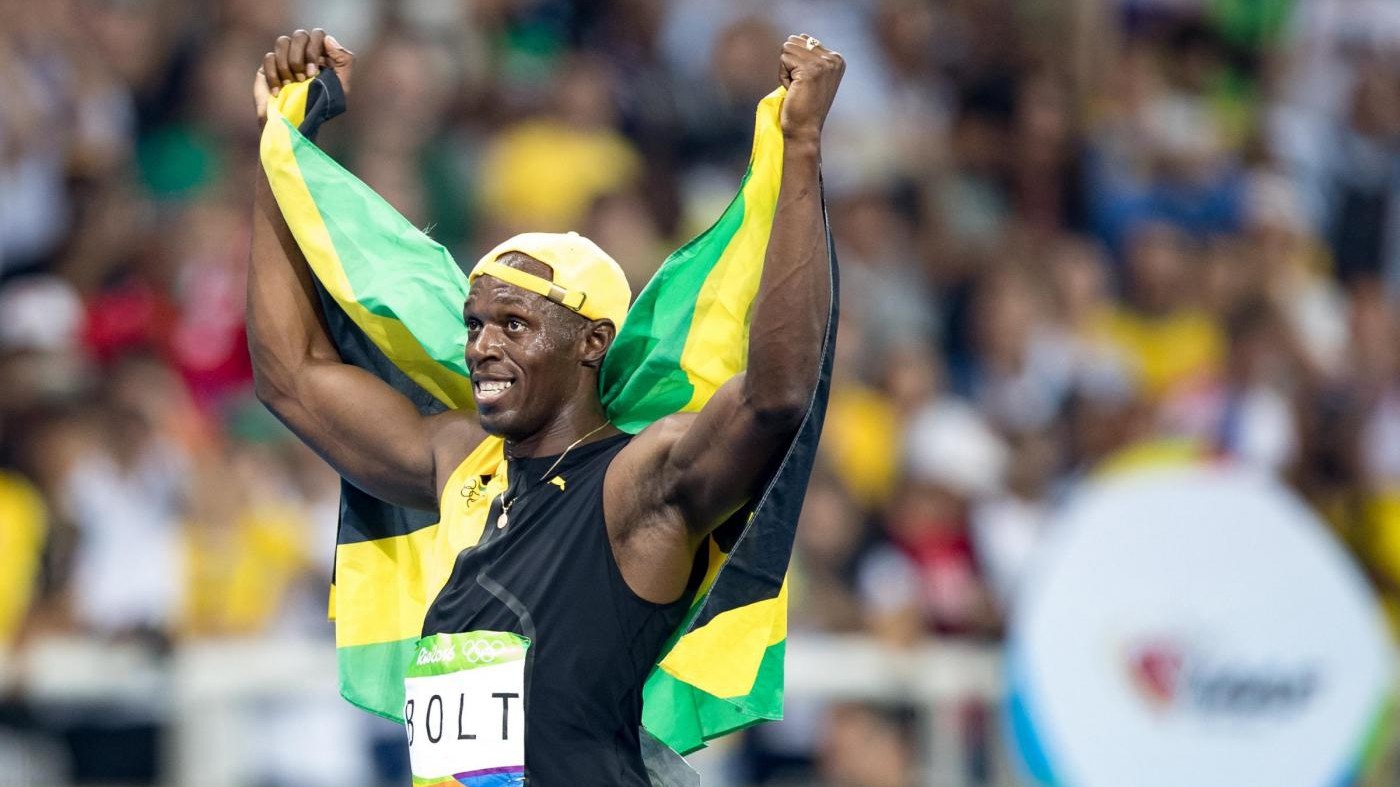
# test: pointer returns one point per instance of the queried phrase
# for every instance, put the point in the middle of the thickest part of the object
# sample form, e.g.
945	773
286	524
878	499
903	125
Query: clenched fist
296	58
811	73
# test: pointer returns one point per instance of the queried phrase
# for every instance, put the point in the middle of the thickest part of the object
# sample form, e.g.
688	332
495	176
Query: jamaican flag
393	299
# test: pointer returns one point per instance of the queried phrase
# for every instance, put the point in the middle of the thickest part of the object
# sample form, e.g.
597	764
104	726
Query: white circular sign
1195	626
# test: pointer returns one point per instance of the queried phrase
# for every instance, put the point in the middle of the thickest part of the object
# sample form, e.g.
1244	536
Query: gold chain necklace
506	505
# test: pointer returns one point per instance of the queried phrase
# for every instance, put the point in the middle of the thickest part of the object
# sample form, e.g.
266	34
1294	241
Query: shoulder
650	451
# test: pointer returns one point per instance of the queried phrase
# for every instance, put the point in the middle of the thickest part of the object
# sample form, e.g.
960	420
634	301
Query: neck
568	427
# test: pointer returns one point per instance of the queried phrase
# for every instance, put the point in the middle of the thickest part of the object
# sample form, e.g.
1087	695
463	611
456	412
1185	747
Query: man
589	555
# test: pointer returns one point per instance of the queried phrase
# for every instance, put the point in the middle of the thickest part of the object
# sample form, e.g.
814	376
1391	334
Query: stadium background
1063	228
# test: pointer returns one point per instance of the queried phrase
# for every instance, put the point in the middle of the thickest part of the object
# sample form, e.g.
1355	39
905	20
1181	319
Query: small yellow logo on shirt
558	481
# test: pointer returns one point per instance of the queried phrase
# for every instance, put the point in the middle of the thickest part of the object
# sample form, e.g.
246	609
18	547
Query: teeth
493	386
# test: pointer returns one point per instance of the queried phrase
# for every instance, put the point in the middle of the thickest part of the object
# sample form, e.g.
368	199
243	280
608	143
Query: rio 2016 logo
473	490
478	651
1170	676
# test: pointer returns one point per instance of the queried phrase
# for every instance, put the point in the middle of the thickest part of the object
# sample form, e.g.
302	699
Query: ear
597	338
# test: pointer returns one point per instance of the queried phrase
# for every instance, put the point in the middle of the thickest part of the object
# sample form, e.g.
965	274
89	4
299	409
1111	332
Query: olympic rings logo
482	652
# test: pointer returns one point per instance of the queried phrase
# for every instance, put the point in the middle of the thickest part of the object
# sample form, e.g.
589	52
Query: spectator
1159	330
545	173
953	460
1062	229
21	548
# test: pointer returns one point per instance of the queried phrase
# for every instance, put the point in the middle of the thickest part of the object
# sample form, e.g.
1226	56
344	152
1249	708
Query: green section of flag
642	377
371	676
685	718
395	271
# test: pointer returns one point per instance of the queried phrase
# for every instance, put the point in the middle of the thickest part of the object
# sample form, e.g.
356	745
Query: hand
299	57
811	73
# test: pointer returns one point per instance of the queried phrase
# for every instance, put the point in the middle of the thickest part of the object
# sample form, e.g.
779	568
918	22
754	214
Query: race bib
465	710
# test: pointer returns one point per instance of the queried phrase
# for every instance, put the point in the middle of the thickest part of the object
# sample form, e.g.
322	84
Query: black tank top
550	575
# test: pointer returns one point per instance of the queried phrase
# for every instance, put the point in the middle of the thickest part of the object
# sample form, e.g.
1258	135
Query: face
529	358
1157	267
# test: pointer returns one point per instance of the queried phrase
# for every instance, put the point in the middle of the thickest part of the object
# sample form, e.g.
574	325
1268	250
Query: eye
473	325
515	324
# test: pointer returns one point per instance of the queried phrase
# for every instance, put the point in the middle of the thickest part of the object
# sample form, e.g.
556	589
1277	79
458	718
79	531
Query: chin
497	423
505	423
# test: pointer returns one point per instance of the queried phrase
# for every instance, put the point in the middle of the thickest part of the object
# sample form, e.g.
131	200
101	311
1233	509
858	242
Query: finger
798	47
315	51
336	53
282	50
260	94
786	63
296	54
269	72
795	56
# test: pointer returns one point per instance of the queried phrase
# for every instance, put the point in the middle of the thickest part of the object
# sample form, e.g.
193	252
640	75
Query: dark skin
678	479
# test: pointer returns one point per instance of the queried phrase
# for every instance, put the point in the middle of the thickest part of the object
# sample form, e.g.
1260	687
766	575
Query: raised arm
712	462
369	432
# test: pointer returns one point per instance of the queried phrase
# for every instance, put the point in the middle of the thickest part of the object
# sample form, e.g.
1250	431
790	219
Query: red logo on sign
1156	670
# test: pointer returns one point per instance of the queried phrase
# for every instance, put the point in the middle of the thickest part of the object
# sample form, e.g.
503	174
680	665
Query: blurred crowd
1064	229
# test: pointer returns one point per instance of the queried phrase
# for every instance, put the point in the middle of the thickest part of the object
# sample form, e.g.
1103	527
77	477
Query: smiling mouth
488	392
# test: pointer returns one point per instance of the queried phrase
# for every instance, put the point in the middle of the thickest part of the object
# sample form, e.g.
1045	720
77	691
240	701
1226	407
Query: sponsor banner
1195	625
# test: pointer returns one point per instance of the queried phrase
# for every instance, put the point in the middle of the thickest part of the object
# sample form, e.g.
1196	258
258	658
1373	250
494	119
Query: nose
485	347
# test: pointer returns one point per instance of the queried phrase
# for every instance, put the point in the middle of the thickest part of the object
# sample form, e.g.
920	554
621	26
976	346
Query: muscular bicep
372	434
368	431
717	459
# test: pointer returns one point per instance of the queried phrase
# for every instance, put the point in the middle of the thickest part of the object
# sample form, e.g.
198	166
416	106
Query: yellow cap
585	280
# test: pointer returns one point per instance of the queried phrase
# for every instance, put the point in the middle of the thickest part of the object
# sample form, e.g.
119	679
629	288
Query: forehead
488	291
